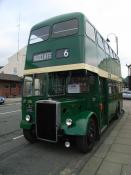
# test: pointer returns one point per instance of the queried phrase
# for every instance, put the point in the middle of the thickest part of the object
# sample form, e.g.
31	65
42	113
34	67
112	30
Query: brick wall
7	90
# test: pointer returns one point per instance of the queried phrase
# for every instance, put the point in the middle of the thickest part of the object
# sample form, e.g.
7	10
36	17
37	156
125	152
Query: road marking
10	112
18	137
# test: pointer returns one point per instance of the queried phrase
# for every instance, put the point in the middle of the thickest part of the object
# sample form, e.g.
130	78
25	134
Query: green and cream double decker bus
72	82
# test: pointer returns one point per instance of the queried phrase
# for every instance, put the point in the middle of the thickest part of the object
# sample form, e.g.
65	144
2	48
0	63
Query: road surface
18	157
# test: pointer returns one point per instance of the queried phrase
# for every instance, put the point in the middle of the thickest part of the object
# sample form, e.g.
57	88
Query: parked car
126	94
2	100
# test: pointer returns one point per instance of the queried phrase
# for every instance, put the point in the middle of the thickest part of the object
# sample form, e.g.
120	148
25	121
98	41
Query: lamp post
116	40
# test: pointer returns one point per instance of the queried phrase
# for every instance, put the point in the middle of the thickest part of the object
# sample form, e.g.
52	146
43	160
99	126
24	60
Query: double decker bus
72	82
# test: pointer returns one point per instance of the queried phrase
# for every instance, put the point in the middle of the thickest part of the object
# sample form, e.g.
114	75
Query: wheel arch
94	117
80	126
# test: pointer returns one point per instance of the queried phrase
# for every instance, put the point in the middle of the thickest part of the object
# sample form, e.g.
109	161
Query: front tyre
30	135
85	143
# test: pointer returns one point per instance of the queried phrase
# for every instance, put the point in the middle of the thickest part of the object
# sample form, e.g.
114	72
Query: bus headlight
28	118
68	122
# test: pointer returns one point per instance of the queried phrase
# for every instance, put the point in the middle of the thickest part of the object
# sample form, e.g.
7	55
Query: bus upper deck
73	42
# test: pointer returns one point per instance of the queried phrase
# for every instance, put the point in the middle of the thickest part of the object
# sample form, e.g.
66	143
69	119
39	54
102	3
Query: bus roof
57	19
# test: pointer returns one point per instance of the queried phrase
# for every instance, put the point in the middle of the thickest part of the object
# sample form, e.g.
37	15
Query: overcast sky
108	16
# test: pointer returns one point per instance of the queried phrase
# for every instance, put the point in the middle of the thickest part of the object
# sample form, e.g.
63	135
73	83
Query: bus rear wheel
30	135
85	143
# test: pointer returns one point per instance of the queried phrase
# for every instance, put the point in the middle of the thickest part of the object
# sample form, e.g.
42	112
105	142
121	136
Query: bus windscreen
39	35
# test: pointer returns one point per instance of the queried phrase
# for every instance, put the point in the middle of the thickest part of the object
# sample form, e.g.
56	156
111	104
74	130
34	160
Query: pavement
113	157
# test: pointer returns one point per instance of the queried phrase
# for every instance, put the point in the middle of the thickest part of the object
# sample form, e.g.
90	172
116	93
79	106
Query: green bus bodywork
71	70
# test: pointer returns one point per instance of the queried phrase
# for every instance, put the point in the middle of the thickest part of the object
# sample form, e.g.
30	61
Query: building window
13	85
6	85
15	70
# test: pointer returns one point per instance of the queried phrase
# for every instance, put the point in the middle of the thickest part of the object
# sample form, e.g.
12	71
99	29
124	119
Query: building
10	85
15	64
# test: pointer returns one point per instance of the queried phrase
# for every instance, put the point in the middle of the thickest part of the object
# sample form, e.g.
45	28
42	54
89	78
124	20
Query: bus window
65	28
90	31
39	35
28	86
111	53
57	83
107	48
78	83
110	88
39	84
100	41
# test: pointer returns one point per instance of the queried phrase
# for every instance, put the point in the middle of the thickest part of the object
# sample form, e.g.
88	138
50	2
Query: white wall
15	64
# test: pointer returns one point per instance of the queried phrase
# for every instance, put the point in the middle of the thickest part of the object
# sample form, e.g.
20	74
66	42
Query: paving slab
102	151
114	133
122	140
91	167
120	158
117	128
109	140
126	170
126	149
123	131
126	127
109	168
125	135
129	123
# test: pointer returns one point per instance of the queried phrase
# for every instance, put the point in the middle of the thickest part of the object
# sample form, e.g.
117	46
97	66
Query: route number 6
66	53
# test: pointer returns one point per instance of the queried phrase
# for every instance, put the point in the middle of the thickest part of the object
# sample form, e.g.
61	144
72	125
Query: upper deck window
111	53
65	28
107	48
100	41
39	35
90	31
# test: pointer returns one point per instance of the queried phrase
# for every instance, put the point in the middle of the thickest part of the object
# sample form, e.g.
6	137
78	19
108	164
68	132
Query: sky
108	16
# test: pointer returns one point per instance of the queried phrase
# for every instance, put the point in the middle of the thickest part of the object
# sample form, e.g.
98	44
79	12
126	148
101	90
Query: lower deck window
78	83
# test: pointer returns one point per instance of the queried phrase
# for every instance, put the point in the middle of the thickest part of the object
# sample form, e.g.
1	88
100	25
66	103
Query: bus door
103	103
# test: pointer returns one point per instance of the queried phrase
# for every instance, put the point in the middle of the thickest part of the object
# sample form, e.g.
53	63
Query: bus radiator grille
46	121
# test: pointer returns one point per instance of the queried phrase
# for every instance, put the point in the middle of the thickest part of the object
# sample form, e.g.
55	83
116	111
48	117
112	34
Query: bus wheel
29	135
86	143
